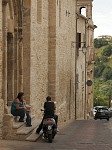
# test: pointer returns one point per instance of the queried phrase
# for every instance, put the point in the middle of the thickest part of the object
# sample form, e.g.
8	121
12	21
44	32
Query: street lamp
84	49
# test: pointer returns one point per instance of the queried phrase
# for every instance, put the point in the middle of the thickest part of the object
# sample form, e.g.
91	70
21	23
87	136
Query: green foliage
99	70
102	92
103	73
107	51
100	42
104	59
107	73
100	60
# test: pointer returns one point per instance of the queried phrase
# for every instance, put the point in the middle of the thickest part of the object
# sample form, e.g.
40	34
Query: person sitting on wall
19	108
49	111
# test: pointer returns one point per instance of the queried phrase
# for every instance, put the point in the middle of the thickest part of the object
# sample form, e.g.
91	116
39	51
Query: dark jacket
49	108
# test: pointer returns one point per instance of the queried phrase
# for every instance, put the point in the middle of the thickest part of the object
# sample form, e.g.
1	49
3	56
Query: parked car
94	111
102	113
96	108
110	111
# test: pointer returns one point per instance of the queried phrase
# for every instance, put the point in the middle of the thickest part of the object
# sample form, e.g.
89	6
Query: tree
99	70
102	92
99	60
107	51
100	42
107	73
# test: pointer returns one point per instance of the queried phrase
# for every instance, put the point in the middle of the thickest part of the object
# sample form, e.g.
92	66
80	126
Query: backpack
13	107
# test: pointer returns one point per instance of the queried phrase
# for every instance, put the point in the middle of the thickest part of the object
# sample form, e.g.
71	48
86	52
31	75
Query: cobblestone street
79	135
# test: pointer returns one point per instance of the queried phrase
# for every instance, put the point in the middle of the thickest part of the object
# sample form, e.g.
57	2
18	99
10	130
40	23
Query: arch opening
83	11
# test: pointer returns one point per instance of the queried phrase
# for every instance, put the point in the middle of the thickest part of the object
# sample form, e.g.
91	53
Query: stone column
4	4
52	49
20	45
20	61
10	68
15	61
26	48
1	67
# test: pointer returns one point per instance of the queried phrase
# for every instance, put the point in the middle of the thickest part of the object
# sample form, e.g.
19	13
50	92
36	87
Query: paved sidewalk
79	135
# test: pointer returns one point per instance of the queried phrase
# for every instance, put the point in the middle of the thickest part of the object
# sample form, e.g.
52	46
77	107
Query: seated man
49	111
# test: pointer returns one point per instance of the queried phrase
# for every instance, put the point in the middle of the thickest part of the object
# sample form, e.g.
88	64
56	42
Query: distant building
106	37
84	58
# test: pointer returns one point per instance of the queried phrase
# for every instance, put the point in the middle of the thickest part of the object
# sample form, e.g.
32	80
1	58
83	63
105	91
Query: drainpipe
76	67
85	108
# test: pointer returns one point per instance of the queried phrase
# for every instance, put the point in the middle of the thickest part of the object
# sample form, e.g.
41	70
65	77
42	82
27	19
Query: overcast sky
102	17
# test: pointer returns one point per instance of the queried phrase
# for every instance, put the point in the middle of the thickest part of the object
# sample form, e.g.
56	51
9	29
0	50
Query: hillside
103	72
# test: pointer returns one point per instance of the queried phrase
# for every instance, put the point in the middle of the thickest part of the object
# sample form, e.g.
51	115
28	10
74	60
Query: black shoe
37	132
27	125
21	120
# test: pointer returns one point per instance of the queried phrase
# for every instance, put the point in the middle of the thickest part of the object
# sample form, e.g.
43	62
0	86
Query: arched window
83	11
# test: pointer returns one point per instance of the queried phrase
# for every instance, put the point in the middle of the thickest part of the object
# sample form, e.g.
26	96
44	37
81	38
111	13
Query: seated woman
18	107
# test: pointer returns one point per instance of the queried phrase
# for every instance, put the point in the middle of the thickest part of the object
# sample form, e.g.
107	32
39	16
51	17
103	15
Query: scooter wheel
50	138
107	119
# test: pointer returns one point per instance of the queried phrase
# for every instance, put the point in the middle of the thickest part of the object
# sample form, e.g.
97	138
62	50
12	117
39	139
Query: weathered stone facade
38	44
39	54
85	58
1	44
65	58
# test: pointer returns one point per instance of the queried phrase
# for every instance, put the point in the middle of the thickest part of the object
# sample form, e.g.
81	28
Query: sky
102	17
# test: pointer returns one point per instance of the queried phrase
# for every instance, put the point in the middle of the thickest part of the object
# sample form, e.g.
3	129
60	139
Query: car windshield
102	110
100	107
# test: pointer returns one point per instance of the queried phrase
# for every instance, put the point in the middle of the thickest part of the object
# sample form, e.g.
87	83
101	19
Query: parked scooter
49	129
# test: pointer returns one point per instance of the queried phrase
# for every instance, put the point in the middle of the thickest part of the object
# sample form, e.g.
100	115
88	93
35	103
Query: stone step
0	134
33	137
1	131
23	130
17	124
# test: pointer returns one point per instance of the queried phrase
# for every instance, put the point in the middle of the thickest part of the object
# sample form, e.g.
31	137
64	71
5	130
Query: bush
100	60
99	70
104	59
107	73
100	42
107	51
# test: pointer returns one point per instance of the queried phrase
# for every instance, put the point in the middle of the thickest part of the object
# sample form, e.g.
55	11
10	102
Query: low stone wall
7	129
